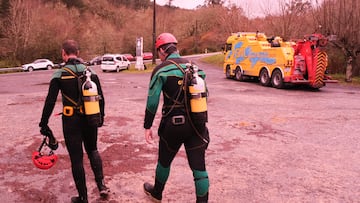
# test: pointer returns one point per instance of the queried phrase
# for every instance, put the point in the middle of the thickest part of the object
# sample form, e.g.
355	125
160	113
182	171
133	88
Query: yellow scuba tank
197	95
197	90
91	100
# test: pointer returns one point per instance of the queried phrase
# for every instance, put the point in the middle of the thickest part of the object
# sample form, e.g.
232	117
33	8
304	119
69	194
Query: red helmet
165	38
42	160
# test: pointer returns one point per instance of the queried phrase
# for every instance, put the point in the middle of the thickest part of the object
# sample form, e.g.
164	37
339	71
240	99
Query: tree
18	27
79	4
214	2
341	18
4	15
292	18
4	8
134	4
169	3
232	20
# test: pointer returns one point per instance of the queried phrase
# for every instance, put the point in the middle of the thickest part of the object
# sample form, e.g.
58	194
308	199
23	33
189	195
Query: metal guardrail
10	70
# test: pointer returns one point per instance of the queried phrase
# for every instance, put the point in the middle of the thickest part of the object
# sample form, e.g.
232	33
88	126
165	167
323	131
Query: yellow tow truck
275	62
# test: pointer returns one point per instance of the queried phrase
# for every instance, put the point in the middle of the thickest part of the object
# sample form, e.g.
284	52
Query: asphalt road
267	145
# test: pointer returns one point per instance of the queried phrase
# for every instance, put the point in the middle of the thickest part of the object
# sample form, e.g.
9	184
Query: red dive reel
44	160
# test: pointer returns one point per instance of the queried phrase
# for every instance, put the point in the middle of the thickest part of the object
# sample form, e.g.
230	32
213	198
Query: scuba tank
195	96
91	100
198	95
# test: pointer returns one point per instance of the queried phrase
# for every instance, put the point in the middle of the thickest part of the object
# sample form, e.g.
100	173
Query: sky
252	8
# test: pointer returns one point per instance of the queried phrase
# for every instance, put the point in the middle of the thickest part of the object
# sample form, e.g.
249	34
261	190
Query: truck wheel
227	73
238	75
276	80
264	78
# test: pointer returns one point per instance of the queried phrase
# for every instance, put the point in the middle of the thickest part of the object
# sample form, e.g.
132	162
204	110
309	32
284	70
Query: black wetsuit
75	127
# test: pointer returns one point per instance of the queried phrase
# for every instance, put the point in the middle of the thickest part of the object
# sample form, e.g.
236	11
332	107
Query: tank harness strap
69	110
175	105
177	65
199	95
175	100
69	99
70	71
92	98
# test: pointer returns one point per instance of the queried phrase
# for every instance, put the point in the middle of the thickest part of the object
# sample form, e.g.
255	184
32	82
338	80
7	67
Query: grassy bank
341	79
149	67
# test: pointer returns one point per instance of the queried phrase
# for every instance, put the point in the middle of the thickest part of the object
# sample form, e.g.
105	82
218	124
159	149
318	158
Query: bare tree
341	18
292	17
233	19
18	30
169	3
214	2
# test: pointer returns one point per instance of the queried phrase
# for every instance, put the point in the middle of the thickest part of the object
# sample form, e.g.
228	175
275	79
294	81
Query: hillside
36	28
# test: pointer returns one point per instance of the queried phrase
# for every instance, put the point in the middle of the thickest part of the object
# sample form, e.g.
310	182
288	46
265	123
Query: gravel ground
267	145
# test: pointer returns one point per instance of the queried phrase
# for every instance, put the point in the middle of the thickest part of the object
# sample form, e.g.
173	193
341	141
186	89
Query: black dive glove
45	130
53	143
101	123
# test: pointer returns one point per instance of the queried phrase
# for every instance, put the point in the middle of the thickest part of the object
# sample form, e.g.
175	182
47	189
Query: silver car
114	62
38	64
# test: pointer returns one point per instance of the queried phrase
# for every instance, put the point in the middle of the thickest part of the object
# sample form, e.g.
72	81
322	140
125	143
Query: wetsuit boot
80	183
79	200
103	190
202	199
154	191
82	190
161	176
96	166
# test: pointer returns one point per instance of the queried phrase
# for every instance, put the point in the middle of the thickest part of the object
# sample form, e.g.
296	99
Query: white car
114	62
38	64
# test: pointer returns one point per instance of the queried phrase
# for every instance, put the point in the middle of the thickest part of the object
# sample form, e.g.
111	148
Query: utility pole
154	34
196	37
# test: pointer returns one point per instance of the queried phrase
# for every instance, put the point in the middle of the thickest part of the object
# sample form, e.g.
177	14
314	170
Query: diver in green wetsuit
176	127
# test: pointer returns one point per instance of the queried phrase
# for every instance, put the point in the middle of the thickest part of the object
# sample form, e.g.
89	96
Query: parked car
114	62
95	61
130	57
38	64
147	55
59	65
